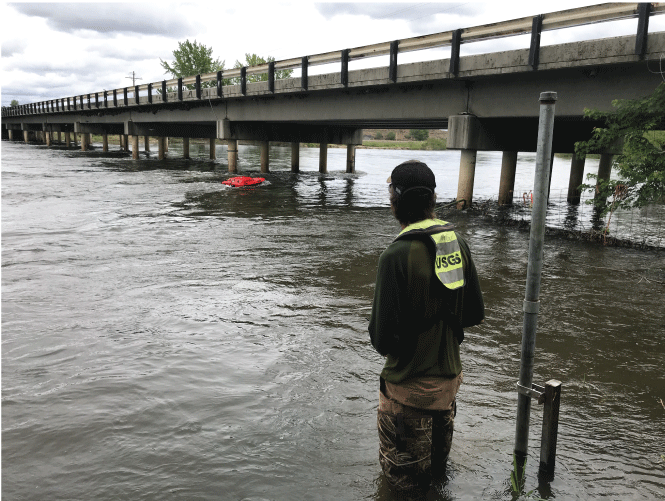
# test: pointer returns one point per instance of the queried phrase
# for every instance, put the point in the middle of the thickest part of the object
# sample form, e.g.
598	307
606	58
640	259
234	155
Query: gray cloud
421	17
114	18
13	47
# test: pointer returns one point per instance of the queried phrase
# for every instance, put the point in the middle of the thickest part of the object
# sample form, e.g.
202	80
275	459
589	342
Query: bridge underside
492	103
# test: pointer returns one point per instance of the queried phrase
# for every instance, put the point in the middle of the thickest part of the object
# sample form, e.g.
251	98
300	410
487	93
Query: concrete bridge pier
576	178
105	142
47	137
125	144
295	157
265	156
146	143
467	173
507	180
604	169
323	158
350	158
161	147
213	150
10	134
185	147
232	155
166	144
59	138
135	147
26	136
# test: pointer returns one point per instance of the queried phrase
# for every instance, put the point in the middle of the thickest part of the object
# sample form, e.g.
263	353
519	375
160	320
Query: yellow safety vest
448	259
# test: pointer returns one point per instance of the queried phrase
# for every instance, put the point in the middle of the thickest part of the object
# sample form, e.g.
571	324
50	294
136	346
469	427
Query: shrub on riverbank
432	144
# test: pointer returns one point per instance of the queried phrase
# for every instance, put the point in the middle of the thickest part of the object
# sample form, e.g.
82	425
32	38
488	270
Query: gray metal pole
531	301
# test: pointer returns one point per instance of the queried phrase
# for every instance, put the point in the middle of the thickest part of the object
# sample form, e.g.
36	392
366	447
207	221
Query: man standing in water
426	292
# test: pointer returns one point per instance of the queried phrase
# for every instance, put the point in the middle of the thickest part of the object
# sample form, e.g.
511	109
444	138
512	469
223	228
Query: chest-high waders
414	443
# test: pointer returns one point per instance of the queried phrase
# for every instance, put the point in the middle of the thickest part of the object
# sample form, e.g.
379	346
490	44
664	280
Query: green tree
255	60
14	102
390	136
640	167
192	58
419	134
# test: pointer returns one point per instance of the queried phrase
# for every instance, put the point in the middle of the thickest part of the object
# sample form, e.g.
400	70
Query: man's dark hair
414	206
412	192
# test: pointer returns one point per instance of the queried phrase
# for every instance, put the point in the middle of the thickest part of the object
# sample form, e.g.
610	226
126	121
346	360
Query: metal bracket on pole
536	391
531	306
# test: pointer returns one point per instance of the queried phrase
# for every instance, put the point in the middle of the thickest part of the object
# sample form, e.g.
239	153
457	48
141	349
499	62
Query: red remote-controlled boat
239	181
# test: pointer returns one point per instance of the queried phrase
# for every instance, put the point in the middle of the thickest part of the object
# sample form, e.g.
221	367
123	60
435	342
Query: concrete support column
146	143
67	139
59	137
74	140
185	147
47	138
265	156
166	144
232	153
350	158
323	158
213	151
105	142
161	146
507	181
10	134
135	147
295	157
467	172
576	178
26	136
84	142
126	142
604	169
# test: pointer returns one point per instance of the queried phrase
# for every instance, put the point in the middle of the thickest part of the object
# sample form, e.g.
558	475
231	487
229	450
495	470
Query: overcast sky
53	50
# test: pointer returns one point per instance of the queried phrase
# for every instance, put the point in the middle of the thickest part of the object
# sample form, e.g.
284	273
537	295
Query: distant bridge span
487	101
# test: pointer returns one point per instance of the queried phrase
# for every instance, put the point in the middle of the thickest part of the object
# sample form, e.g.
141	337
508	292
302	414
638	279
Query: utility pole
134	79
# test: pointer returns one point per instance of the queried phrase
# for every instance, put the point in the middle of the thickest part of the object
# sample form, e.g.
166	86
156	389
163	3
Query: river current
167	337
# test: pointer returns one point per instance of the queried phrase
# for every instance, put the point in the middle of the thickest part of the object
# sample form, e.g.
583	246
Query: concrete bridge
487	101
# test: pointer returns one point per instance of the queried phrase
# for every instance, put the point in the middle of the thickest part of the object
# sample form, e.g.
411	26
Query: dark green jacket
414	316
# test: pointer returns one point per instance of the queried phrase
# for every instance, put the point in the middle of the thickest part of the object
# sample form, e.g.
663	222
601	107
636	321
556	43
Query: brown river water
167	337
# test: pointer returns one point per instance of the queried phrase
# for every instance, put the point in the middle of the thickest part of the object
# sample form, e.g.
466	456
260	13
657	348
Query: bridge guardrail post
271	77
198	86
534	49
643	10
136	94
115	98
243	80
304	79
164	93
180	89
392	72
125	98
345	67
219	84
106	99
149	93
454	52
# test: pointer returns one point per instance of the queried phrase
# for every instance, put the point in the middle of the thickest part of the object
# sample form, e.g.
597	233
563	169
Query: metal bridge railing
130	96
